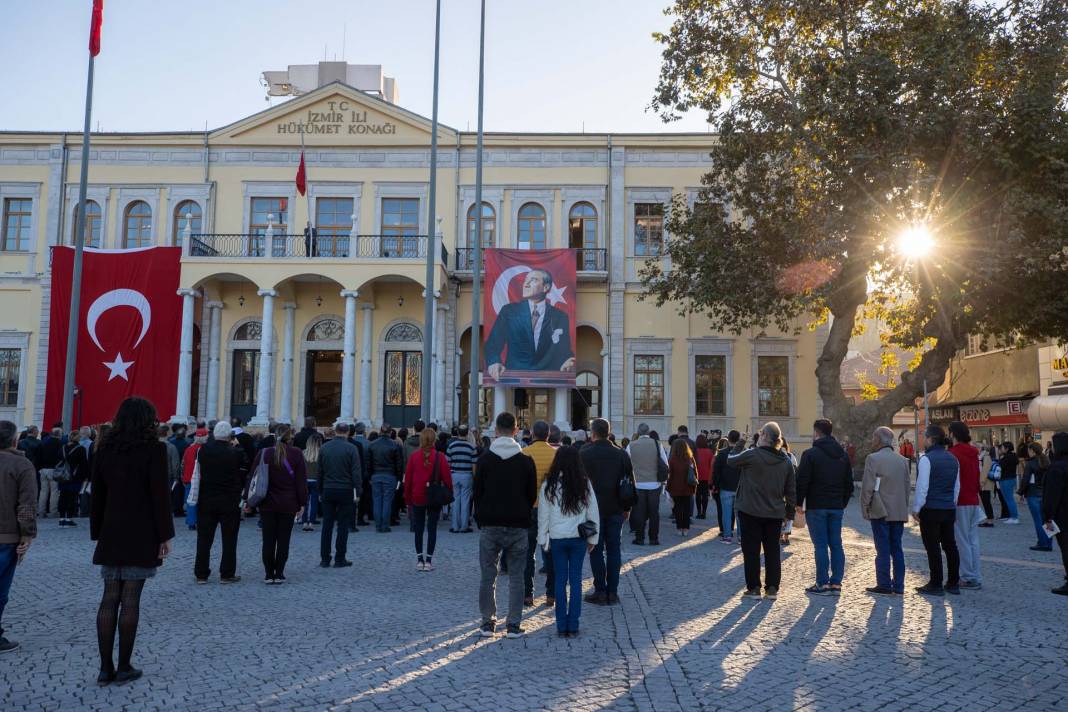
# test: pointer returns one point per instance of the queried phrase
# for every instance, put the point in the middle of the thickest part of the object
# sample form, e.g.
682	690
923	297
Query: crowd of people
567	496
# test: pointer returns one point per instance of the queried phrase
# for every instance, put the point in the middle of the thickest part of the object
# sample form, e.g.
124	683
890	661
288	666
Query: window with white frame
16	225
93	221
187	216
10	361
648	384
648	229
531	227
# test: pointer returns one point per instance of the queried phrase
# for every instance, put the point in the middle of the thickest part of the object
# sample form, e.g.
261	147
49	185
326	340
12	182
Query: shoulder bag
587	529
438	495
194	483
691	475
257	487
626	492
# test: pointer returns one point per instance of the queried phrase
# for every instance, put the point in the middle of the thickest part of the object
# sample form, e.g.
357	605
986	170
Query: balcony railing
317	247
587	259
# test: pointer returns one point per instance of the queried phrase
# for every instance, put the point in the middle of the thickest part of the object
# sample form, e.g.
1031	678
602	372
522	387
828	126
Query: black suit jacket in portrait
513	328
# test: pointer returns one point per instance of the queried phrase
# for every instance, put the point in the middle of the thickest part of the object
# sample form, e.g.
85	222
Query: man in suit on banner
537	334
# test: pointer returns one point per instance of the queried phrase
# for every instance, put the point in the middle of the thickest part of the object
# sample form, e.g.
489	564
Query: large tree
843	124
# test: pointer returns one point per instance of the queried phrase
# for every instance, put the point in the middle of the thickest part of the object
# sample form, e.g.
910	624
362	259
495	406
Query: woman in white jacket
565	502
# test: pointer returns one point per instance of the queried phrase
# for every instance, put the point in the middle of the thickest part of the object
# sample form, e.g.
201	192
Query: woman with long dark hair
287	491
131	523
425	465
680	463
565	502
1031	490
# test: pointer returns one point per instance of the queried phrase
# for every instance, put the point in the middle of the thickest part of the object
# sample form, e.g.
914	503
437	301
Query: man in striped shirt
460	453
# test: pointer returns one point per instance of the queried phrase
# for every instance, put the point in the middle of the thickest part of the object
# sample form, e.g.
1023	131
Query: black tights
126	594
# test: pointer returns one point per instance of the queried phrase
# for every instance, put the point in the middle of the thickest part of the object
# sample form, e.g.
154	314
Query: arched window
327	330
582	225
92	224
249	331
187	215
404	332
489	226
137	225
531	227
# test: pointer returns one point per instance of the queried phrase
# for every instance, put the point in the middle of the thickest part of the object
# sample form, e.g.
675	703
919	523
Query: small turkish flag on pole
302	178
94	28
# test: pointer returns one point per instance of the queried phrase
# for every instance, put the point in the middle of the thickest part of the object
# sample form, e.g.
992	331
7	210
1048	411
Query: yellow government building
284	328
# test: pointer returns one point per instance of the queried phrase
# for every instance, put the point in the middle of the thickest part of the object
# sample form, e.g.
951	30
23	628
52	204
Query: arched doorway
244	349
322	348
402	364
585	399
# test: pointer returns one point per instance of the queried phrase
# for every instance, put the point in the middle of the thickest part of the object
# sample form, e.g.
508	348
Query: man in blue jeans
824	486
387	469
18	508
606	466
884	501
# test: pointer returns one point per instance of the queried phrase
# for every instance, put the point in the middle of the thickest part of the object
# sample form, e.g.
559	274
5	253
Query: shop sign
1012	412
944	413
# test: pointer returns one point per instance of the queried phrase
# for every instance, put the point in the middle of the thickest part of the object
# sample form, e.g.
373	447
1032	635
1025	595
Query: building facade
283	326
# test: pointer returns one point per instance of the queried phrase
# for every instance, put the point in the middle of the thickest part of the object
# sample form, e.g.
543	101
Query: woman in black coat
130	521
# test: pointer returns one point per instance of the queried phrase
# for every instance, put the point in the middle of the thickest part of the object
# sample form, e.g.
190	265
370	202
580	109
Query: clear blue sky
550	64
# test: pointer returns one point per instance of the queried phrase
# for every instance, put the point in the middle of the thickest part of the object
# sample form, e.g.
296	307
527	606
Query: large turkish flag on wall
528	317
129	328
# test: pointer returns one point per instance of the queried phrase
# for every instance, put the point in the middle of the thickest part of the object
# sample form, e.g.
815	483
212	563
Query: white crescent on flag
118	298
500	287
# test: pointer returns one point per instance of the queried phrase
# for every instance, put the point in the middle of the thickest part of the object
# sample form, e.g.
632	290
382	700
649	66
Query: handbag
437	493
691	475
62	473
194	483
626	492
261	478
587	529
995	471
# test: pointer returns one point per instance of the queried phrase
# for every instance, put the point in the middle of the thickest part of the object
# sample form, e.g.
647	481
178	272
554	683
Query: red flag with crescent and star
528	318
129	331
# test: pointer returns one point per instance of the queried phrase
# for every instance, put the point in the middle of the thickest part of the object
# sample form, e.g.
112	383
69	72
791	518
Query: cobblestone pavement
381	635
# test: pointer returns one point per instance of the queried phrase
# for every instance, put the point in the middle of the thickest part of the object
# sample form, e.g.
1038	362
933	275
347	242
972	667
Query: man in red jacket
969	512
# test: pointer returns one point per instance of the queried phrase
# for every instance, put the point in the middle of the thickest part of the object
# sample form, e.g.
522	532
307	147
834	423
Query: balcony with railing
254	246
591	263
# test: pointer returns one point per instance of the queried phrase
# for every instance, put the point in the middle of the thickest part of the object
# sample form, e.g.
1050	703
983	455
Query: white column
214	347
285	408
348	359
439	376
499	403
563	409
185	357
364	413
265	386
606	392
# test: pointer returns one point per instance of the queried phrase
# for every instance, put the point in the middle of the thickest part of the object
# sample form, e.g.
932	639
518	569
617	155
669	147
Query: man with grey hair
18	505
884	501
650	472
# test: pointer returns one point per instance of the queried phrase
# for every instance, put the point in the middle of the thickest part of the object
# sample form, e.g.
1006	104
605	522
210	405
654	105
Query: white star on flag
118	368
556	295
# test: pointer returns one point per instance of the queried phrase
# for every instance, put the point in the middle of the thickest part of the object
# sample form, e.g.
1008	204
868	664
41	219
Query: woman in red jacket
680	462
424	466
704	456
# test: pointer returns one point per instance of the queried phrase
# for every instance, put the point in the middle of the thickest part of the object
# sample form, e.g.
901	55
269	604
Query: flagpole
476	267
307	193
79	245
426	390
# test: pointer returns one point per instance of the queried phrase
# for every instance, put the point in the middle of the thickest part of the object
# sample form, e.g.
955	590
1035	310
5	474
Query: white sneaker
1012	521
420	566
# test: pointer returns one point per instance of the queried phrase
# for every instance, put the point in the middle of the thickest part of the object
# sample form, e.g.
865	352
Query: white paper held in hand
878	481
1051	529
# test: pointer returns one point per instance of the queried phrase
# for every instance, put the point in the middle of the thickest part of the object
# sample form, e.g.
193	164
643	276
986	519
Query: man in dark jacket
222	468
387	469
301	439
725	480
824	486
49	455
340	478
504	492
1055	500
606	466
